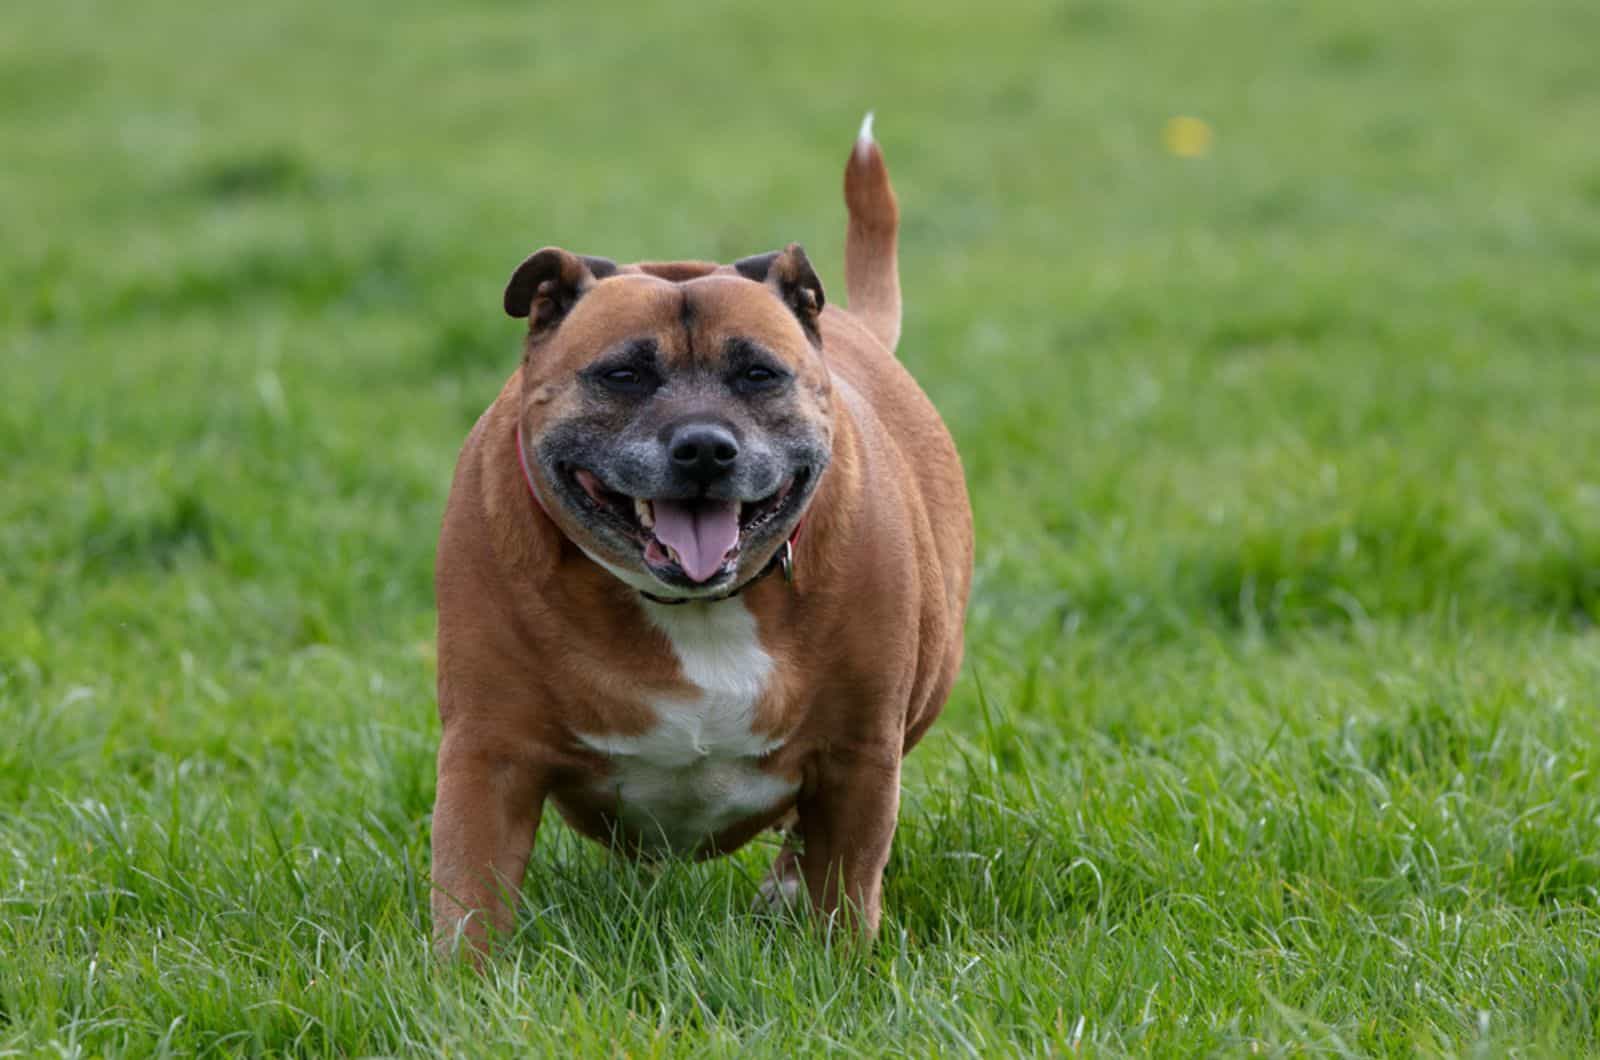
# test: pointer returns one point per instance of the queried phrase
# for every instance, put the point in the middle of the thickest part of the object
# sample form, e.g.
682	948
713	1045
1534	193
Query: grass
1278	730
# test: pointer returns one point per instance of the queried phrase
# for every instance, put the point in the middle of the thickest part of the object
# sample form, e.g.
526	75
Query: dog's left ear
546	286
789	273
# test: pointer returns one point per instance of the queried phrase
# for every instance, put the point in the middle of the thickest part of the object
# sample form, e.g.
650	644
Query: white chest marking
696	772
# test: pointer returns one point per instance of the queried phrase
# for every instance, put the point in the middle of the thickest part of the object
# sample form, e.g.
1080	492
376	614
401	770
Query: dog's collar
782	560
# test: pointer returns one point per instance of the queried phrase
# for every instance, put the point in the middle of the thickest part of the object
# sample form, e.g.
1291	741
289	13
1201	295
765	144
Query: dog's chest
697	771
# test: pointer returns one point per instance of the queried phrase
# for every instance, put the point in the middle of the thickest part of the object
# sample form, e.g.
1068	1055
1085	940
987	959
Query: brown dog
703	571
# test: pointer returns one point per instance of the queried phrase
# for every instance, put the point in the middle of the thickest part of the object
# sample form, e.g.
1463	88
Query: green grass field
1278	732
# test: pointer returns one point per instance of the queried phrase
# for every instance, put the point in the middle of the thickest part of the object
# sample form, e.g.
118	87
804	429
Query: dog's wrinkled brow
740	351
633	353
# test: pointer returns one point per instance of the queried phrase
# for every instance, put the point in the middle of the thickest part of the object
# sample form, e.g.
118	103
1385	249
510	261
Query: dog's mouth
691	541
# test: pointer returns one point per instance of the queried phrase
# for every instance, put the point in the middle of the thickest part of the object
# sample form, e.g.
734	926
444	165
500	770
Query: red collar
783	559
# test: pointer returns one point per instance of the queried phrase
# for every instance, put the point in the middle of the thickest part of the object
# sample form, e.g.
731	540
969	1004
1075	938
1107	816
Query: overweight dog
703	572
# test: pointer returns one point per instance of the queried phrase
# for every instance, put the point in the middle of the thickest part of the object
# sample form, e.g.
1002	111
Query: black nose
703	452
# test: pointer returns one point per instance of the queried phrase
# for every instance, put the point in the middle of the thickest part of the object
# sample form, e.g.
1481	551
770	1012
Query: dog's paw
777	895
783	889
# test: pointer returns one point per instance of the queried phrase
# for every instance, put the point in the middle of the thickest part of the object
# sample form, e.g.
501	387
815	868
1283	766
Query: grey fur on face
625	443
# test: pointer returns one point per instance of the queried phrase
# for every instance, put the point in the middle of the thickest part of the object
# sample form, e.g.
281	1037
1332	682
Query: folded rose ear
546	286
789	273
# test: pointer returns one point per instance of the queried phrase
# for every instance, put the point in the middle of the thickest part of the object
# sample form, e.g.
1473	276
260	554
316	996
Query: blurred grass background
1278	730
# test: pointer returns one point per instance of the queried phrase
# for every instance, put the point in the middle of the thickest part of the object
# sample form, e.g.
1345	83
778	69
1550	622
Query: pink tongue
701	532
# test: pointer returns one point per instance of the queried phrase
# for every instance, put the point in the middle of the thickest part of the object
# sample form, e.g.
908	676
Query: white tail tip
864	137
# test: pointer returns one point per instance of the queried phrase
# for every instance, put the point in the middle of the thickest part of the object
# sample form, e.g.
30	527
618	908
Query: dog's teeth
672	553
641	508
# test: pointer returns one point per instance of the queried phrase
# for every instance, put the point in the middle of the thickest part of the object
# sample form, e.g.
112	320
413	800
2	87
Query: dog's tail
871	269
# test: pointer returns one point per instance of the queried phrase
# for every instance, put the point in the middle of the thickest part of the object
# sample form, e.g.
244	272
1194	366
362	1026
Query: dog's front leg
485	817
847	825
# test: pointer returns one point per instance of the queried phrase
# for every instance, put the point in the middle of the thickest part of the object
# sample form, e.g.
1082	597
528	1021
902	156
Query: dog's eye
624	380
757	377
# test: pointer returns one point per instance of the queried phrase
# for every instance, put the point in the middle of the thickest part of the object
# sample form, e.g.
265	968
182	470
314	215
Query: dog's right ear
546	286
790	275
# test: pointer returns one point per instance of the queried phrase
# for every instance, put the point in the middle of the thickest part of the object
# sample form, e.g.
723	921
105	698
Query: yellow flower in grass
1186	137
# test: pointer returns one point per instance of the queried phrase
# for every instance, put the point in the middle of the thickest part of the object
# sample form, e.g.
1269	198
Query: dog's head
676	417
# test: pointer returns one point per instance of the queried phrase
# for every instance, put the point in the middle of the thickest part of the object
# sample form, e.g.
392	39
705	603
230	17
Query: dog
703	572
